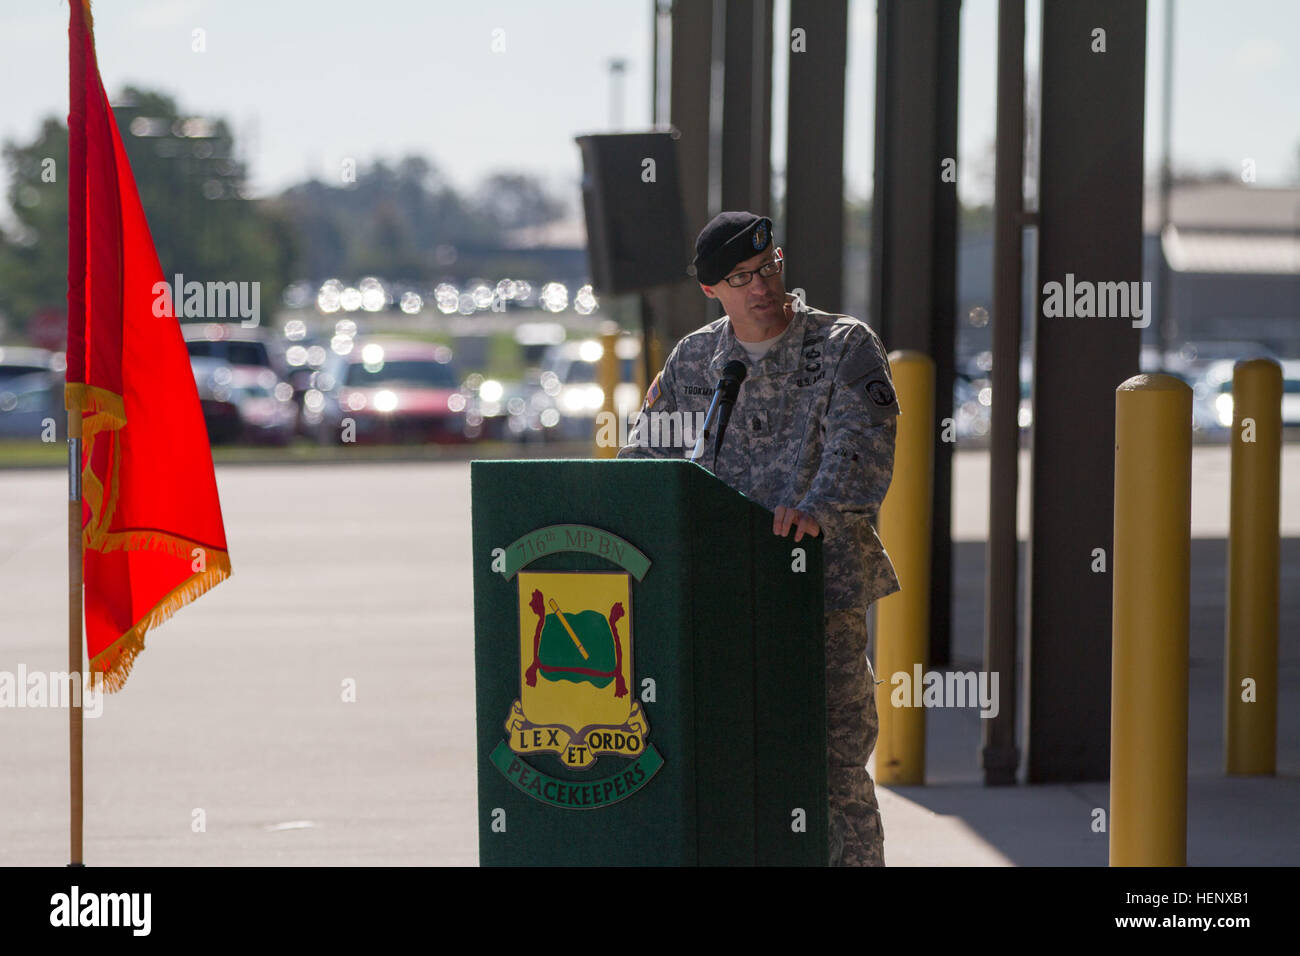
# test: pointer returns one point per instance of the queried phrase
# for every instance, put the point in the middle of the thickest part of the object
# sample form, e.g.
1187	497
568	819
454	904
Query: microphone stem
704	432
724	415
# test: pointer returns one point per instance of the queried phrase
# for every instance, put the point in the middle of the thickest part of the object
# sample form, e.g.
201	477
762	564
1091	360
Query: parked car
1290	393
244	403
18	360
304	357
506	410
1192	361
570	381
973	396
234	345
392	392
28	402
1212	404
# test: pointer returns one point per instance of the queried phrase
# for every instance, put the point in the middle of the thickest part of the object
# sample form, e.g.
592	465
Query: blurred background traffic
373	377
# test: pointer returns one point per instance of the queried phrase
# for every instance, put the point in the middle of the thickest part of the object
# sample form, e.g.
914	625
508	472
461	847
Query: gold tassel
115	661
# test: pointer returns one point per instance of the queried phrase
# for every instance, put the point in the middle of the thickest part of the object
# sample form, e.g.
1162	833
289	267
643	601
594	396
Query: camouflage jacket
813	428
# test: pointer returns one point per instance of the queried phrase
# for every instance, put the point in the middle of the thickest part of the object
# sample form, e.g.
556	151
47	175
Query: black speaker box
633	204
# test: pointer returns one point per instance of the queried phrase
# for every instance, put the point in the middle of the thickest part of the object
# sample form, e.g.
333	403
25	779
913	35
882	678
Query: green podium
649	667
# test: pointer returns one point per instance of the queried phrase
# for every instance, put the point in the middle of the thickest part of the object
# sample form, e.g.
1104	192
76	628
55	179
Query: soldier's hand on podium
802	522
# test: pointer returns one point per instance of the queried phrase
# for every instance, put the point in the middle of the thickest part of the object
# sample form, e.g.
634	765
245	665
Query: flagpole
78	15
75	805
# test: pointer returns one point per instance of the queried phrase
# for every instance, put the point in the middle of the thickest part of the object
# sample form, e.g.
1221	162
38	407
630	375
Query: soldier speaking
811	437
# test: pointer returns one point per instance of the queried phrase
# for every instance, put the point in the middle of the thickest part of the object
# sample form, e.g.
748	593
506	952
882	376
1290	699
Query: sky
506	85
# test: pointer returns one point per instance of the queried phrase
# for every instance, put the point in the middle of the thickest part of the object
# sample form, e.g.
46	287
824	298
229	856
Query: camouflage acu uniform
813	428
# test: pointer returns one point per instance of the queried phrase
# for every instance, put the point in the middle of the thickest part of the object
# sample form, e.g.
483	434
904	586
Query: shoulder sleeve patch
865	370
652	394
880	392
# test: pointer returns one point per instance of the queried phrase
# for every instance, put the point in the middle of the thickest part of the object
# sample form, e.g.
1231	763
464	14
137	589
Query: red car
396	392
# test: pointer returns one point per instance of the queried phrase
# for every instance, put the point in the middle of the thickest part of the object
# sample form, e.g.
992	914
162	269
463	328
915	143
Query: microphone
724	400
729	388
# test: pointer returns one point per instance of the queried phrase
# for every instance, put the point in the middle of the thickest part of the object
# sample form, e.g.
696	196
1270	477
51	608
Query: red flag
152	534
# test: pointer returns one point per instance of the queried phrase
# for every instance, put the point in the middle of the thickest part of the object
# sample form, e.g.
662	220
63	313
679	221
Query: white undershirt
757	350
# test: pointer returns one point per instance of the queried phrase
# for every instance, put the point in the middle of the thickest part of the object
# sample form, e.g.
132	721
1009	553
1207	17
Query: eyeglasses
766	270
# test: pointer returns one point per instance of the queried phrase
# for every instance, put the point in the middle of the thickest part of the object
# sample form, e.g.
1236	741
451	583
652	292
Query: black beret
729	238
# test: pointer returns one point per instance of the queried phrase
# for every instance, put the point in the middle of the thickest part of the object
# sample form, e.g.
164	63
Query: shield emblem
575	654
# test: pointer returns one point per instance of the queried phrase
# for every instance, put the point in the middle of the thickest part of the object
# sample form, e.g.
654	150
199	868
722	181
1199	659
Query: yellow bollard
903	619
607	375
1250	677
1151	570
657	358
639	367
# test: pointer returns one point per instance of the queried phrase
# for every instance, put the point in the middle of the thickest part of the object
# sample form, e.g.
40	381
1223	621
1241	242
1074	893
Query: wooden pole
74	636
80	53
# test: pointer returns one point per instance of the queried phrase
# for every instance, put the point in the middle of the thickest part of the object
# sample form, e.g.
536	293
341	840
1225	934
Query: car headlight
1223	409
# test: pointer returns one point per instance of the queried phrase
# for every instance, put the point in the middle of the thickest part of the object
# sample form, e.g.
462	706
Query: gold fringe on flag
114	662
107	414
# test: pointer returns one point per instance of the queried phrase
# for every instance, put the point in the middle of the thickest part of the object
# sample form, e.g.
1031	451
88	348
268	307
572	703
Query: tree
193	189
396	217
516	200
34	253
389	222
195	193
